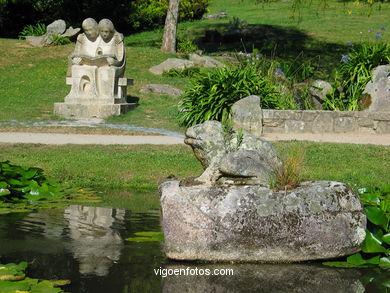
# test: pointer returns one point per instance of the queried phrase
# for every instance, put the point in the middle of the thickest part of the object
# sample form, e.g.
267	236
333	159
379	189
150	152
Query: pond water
87	246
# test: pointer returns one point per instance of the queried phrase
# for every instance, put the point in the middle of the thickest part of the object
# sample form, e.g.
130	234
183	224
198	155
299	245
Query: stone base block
74	111
318	220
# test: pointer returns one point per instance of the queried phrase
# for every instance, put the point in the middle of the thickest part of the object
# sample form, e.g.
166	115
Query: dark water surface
87	245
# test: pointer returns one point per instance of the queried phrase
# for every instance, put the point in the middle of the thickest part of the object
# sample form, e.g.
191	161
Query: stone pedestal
96	92
318	220
74	111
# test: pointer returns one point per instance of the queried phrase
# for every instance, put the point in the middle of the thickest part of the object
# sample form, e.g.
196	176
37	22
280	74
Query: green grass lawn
33	79
131	173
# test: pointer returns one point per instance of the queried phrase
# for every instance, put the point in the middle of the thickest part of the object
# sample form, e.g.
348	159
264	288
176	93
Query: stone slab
75	111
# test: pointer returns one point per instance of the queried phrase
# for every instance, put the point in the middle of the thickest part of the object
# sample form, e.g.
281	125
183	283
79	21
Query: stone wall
315	121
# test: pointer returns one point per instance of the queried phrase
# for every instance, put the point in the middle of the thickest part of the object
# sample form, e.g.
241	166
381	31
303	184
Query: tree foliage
127	15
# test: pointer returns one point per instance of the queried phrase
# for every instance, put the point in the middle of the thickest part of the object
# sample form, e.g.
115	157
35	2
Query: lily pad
147	237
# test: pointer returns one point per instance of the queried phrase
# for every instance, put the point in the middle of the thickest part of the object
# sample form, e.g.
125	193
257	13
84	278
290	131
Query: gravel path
59	138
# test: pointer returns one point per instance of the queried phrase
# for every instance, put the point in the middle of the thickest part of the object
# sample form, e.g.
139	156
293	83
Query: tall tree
169	38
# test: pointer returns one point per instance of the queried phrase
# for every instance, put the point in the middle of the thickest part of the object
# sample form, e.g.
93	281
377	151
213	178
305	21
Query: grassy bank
33	79
136	170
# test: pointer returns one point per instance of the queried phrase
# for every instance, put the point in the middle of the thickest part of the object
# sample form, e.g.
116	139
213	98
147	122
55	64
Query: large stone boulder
162	89
319	89
318	220
57	27
378	89
205	61
220	149
171	63
216	16
248	115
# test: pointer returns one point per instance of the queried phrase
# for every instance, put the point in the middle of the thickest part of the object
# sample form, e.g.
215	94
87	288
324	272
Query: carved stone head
90	28
206	140
106	29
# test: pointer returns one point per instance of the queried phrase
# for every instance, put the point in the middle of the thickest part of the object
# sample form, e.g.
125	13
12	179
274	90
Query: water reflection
264	278
90	234
87	246
94	242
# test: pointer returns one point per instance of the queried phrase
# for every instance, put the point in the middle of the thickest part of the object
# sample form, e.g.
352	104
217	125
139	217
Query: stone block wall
316	121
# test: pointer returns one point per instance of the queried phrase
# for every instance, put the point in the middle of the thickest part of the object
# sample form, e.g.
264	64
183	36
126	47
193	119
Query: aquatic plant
147	237
13	279
25	188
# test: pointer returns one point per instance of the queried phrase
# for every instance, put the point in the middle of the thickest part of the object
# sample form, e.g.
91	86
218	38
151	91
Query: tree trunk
169	38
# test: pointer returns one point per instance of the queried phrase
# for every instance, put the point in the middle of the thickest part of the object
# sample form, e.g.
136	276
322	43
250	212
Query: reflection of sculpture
96	73
94	243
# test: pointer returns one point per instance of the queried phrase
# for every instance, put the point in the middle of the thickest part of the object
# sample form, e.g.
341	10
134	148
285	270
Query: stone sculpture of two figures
96	73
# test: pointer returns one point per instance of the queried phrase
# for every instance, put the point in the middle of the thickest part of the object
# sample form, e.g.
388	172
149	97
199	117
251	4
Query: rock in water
318	220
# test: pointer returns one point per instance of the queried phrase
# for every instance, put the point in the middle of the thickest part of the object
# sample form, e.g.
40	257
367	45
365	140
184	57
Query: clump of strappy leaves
25	188
13	279
376	245
232	139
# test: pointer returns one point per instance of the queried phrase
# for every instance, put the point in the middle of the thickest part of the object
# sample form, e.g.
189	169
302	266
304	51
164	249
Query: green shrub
354	74
287	77
128	16
213	93
146	14
32	30
186	46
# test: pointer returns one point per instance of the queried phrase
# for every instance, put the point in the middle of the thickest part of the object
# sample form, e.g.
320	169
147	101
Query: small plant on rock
232	139
289	175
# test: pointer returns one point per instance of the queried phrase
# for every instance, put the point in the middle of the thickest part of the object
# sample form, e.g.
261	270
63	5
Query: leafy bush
146	14
127	15
354	74
32	30
296	70
213	93
376	245
286	76
186	46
